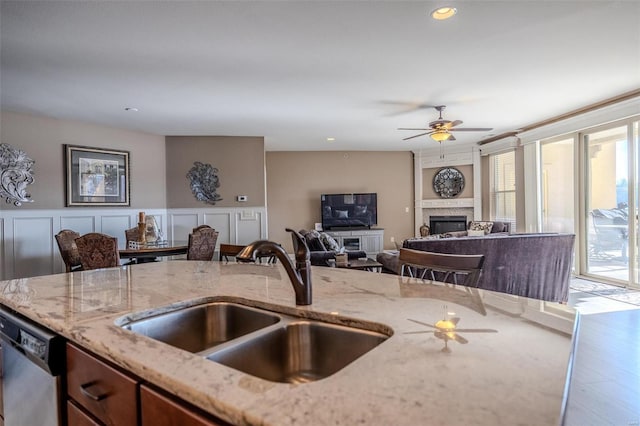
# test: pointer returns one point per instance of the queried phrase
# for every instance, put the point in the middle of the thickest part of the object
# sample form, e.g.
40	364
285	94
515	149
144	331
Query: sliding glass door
607	212
590	186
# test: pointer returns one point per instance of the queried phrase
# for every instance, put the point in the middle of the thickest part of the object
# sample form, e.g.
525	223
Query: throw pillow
481	226
329	242
342	214
473	233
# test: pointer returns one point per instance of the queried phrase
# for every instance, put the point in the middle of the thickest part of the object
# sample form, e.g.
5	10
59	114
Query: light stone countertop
513	376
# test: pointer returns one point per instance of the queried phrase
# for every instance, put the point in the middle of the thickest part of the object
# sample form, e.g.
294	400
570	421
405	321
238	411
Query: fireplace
442	224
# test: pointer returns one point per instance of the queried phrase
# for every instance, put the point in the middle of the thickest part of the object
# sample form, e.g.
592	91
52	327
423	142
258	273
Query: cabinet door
106	393
1	386
372	244
161	410
77	417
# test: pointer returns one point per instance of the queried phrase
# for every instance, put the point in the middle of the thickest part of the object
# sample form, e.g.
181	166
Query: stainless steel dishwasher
33	362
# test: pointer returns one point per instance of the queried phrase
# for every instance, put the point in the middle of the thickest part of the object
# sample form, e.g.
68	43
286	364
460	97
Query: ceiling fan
439	130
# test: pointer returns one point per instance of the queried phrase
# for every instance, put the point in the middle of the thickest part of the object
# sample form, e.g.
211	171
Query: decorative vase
142	234
151	231
424	230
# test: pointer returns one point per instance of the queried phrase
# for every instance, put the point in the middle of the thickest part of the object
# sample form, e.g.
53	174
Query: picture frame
96	176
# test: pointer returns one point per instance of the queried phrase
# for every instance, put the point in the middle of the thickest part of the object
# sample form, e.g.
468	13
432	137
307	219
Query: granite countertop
515	375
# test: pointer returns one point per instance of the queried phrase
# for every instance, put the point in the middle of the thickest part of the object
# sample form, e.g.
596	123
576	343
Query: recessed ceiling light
331	139
443	13
131	109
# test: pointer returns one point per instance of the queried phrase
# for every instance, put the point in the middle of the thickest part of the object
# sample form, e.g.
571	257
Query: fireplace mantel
425	206
447	203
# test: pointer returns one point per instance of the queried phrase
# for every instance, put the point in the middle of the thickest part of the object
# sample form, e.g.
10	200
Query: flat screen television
349	210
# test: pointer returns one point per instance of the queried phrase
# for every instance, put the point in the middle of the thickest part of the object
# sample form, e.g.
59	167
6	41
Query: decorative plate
448	182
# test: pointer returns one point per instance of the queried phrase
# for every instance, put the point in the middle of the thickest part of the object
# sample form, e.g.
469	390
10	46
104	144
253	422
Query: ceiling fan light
440	136
443	13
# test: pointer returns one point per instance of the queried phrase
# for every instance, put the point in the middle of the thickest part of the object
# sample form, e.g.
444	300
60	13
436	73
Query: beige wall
295	181
240	164
427	182
43	138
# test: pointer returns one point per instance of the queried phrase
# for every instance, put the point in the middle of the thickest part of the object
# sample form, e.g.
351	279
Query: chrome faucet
299	274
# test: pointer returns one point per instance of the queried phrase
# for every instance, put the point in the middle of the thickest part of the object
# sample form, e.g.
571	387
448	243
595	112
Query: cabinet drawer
77	417
102	390
161	410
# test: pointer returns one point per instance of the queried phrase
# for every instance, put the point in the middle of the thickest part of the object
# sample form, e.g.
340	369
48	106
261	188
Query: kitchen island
495	369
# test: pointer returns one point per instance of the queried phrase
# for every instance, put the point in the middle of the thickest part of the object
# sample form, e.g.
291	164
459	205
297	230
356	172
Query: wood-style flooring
604	388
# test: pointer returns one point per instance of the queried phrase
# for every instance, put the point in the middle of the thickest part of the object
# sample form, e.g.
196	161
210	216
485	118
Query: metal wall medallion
448	182
15	175
204	182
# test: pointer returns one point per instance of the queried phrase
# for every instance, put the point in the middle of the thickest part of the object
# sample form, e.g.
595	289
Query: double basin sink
272	345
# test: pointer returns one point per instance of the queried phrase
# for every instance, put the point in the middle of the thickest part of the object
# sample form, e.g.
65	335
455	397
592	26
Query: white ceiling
297	72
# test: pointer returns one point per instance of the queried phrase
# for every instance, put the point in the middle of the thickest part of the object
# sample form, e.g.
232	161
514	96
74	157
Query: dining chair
446	266
202	243
197	228
227	250
98	251
68	249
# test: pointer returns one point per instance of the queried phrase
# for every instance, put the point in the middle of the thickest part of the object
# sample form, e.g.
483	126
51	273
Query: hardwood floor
605	382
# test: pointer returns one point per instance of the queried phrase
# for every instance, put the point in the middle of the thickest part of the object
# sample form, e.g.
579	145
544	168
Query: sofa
537	266
323	248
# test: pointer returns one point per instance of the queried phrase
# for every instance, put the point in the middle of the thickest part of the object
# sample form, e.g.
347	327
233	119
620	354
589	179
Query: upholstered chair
68	249
98	251
442	267
202	243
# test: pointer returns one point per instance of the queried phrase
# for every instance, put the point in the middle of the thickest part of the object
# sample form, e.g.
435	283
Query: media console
369	240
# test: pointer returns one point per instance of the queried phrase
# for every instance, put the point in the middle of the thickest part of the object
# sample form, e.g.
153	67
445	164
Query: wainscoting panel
2	256
221	222
27	237
116	225
80	224
235	225
35	246
250	226
181	224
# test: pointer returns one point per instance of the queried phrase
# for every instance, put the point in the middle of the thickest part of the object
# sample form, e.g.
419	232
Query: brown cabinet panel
77	417
160	410
1	387
106	393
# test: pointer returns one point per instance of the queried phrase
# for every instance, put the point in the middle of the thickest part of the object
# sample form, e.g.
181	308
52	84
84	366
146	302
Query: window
503	187
557	185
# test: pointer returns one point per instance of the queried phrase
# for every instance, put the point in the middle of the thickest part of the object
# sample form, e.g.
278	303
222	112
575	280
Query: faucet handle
300	247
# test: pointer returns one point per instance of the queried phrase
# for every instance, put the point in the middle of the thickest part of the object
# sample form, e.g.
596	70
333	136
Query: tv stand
370	240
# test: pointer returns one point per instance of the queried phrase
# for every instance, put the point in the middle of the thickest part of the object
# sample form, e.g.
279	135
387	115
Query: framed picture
96	176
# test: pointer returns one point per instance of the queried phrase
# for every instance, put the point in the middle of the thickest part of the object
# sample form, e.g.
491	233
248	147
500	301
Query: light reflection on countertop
514	374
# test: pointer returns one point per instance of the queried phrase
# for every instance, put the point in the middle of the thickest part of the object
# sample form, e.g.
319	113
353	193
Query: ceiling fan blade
451	137
455	123
415	136
407	128
460	339
472	129
421	323
408	107
477	330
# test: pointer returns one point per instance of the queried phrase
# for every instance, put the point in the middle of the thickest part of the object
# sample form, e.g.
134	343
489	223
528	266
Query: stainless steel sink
299	352
201	327
271	345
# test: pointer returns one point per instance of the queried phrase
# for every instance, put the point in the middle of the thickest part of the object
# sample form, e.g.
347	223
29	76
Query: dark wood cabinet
159	409
77	417
101	394
106	393
1	387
